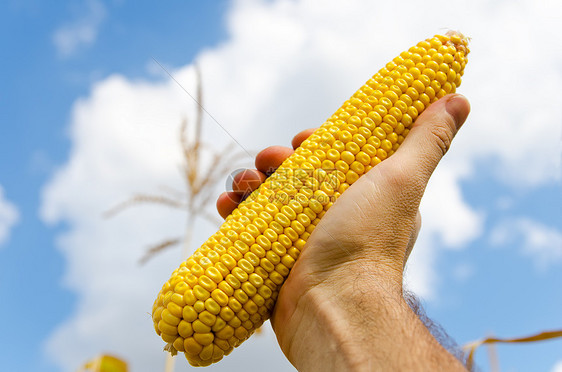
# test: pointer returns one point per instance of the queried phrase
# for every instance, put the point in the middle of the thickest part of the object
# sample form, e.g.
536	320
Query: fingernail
458	107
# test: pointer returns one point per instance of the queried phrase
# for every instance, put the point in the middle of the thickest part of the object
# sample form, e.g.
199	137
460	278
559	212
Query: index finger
299	138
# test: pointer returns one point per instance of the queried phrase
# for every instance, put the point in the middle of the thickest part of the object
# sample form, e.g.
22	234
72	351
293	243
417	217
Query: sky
93	95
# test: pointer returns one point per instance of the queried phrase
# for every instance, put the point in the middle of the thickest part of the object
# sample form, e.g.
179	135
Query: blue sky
87	118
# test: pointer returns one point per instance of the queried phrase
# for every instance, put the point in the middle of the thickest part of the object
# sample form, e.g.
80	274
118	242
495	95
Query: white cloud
9	216
541	243
125	140
285	67
557	367
512	78
82	32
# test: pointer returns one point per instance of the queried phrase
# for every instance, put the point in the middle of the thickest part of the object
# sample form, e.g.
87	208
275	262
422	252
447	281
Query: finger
247	181
227	202
271	158
299	138
431	136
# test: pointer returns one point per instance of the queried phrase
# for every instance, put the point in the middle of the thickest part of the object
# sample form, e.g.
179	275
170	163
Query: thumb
430	137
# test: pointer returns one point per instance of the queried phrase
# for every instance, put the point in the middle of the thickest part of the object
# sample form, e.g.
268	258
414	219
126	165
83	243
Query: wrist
334	324
354	322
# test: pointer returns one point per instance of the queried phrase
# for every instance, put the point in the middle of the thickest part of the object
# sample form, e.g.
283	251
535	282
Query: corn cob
218	297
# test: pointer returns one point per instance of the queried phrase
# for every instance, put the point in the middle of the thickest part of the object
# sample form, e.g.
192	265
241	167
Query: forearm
361	325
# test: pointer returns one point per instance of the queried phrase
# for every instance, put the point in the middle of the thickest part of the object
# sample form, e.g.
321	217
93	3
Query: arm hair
436	329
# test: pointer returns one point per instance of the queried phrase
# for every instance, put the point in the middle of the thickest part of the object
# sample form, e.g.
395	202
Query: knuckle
442	136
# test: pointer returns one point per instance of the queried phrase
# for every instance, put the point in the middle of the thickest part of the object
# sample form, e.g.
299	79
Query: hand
341	308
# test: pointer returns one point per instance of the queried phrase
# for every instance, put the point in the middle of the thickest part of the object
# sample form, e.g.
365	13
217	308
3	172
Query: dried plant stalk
157	248
541	336
199	182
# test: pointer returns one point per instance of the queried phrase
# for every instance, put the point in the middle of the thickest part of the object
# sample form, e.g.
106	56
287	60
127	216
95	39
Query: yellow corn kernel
200	327
218	297
192	347
204	338
178	344
184	329
170	318
207	318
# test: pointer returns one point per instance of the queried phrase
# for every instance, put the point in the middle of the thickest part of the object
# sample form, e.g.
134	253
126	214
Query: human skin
342	307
